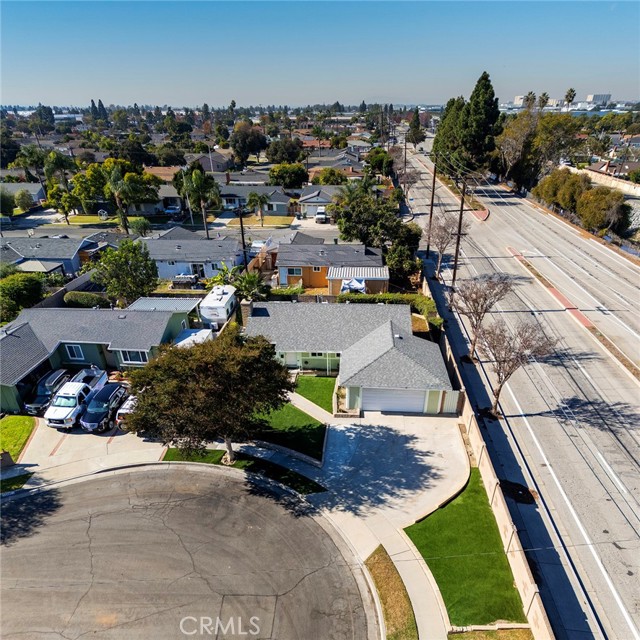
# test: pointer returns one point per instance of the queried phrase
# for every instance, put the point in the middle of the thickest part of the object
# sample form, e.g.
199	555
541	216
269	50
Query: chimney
335	241
246	310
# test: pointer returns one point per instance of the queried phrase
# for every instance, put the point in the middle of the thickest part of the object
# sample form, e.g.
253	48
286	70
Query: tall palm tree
57	164
204	190
569	97
118	187
32	157
543	100
529	100
257	202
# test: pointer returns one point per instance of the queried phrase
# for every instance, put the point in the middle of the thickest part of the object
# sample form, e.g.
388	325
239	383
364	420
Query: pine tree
94	110
102	112
482	116
363	107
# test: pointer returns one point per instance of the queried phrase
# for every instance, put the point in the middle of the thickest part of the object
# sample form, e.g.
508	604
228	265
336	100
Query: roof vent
122	316
178	247
397	336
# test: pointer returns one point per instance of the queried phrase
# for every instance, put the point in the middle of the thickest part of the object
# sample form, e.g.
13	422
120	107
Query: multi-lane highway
572	427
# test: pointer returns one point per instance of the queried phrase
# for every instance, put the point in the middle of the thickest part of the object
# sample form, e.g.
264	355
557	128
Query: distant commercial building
518	101
599	98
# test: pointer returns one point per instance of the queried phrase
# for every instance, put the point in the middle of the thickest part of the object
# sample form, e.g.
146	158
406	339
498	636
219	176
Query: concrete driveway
156	552
53	455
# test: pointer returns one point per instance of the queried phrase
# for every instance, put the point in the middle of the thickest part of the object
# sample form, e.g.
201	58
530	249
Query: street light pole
433	193
455	261
405	163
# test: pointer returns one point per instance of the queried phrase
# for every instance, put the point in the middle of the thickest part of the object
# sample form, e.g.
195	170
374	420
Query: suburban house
42	339
381	365
358	146
310	266
213	162
169	201
33	188
202	258
235	195
315	196
48	254
347	162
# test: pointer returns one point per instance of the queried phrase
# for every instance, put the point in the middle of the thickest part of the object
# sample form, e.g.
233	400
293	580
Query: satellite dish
102	214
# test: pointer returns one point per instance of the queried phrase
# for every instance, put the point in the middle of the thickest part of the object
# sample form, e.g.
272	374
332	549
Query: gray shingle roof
176	233
20	352
325	193
8	255
276	194
33	188
46	248
332	255
303	238
322	327
368	273
392	358
117	328
193	250
184	305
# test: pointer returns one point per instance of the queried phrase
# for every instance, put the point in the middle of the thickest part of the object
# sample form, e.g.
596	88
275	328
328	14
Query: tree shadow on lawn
23	514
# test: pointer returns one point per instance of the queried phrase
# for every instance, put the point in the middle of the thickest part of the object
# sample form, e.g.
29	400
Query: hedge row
288	291
85	300
418	303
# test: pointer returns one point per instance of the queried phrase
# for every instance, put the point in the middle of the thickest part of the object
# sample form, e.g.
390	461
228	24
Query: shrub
287	291
418	303
85	300
24	289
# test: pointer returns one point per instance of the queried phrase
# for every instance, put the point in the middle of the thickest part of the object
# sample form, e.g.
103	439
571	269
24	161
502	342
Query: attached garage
393	400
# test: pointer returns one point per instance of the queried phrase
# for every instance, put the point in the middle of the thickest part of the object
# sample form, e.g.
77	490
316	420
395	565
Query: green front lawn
14	433
318	389
17	482
295	430
461	544
253	465
269	221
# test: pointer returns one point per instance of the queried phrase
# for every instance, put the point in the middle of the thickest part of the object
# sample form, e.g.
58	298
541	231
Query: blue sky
186	53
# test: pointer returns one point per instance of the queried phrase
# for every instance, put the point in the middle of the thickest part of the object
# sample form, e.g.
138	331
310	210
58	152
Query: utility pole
405	163
455	262
244	245
433	193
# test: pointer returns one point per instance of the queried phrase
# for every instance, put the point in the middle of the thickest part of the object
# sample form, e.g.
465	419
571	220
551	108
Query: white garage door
397	400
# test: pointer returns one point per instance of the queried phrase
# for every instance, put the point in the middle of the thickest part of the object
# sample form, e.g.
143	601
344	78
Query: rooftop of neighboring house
246	177
44	248
111	238
35	334
193	250
33	188
614	167
177	233
328	255
325	193
168	191
366	273
303	238
322	327
276	194
205	159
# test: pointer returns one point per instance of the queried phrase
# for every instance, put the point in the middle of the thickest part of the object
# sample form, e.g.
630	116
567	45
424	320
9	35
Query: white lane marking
611	473
574	515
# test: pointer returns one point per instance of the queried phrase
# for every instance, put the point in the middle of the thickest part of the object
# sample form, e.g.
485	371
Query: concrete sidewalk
312	409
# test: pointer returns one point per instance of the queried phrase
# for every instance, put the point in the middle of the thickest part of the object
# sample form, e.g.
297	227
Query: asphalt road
572	422
155	553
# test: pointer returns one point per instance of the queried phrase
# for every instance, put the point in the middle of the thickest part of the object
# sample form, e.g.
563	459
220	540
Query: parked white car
70	402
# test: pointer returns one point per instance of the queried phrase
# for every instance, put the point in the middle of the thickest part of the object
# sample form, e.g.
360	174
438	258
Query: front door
197	269
291	359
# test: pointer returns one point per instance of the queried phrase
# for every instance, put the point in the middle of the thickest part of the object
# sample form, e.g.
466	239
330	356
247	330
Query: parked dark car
45	390
100	414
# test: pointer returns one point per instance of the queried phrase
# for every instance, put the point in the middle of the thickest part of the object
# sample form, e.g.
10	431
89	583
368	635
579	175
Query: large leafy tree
63	201
202	190
127	273
285	150
290	176
58	165
330	175
233	382
32	158
9	148
245	140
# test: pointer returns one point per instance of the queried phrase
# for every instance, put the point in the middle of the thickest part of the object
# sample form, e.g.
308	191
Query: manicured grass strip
396	605
17	482
295	430
501	634
14	433
461	544
254	465
318	389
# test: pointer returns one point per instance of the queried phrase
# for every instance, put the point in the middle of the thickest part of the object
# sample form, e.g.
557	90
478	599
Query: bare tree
508	350
443	235
475	297
409	180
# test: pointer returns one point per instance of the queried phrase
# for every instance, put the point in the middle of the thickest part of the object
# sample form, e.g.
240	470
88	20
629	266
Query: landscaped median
270	470
461	544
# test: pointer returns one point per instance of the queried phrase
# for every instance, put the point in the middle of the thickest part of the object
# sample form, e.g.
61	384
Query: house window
294	271
134	357
316	269
184	324
315	354
74	351
271	207
197	269
172	263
